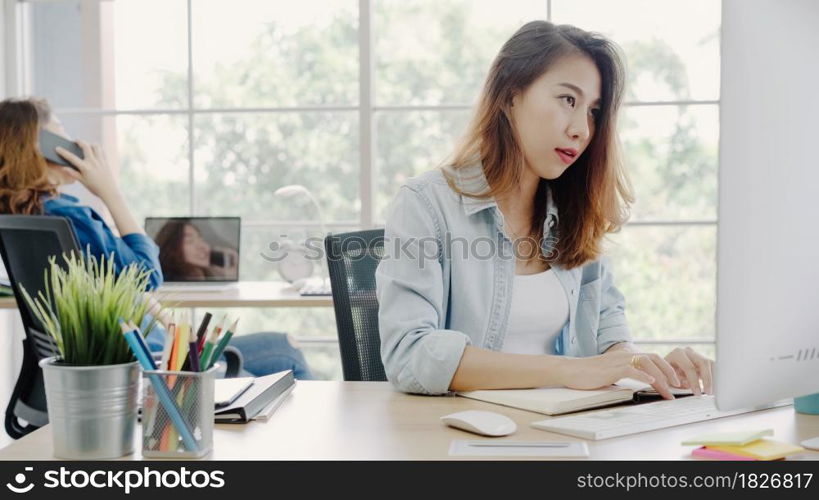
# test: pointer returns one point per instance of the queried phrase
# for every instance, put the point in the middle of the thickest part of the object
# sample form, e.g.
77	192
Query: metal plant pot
92	409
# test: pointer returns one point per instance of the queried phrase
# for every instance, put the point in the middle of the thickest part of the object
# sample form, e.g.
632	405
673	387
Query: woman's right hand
92	170
600	371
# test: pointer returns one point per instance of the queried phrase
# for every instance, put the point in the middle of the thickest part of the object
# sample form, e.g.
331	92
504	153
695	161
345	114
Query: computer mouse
486	423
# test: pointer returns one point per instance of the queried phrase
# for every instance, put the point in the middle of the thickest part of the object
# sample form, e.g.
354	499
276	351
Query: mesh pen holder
177	413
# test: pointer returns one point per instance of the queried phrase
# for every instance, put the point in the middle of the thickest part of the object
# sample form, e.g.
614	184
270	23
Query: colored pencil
210	343
220	347
166	351
193	354
160	388
200	334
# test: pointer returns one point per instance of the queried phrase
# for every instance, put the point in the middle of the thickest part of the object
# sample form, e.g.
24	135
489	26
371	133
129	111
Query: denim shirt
94	234
436	295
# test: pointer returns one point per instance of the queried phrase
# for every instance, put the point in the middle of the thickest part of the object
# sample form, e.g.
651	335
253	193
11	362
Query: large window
208	106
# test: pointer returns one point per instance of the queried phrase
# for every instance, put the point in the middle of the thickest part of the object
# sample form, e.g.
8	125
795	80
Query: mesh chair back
26	243
352	259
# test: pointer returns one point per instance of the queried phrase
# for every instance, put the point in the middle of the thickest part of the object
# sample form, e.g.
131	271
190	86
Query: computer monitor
768	229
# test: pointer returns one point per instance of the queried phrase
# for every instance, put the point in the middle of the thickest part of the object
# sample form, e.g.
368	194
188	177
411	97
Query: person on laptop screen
186	255
493	276
30	185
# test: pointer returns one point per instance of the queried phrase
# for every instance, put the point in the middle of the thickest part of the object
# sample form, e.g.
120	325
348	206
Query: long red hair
23	170
594	194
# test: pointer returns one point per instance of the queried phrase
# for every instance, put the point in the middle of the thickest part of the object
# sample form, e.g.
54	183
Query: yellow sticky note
763	449
739	438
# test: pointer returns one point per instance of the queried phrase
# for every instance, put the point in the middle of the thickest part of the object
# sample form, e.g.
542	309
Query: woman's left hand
92	170
692	369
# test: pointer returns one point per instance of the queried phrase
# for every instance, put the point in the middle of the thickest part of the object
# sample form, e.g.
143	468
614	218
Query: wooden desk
370	421
247	294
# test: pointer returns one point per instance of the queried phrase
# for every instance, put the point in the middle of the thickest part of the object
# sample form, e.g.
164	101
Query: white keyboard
632	419
316	288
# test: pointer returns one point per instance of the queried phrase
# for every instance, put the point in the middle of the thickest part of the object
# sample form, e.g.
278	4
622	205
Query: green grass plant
83	301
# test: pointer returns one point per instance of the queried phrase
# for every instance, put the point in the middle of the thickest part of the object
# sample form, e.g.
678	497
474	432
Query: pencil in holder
178	414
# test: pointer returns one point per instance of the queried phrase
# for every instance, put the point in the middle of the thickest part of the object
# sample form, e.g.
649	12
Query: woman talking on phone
30	185
493	276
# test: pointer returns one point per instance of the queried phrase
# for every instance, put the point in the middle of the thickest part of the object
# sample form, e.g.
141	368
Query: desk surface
246	294
324	420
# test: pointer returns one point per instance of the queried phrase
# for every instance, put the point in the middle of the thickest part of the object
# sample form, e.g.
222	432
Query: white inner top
538	312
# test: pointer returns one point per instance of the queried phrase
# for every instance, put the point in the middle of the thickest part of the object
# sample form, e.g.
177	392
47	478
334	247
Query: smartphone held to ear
49	142
221	258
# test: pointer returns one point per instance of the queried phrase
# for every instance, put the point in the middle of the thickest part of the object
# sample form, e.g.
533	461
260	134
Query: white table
246	294
323	420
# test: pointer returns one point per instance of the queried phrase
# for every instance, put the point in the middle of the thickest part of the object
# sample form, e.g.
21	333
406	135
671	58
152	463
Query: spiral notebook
560	400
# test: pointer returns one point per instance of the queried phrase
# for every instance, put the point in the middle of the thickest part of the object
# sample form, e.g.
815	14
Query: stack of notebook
239	401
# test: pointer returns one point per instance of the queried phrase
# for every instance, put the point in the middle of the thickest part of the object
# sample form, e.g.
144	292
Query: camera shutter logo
20	478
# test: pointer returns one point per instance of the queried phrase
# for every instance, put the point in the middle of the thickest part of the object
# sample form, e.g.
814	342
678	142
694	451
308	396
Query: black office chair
26	243
352	259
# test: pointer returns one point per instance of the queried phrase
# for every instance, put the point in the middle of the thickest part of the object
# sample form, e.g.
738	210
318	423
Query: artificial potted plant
92	385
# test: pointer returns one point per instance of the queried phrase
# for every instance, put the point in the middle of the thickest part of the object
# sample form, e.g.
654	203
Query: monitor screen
197	249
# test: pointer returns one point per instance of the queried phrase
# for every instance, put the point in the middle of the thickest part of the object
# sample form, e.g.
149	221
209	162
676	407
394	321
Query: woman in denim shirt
29	185
493	276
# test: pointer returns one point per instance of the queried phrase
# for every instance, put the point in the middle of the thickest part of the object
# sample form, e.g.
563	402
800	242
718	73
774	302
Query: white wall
4	32
9	332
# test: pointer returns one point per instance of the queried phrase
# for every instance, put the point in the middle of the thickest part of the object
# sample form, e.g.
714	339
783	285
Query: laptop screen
197	249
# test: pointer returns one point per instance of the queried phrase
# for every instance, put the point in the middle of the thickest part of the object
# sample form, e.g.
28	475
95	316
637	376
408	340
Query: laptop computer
197	253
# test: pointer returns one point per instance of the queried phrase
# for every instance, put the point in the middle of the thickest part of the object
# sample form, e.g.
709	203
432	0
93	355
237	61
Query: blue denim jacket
92	232
435	297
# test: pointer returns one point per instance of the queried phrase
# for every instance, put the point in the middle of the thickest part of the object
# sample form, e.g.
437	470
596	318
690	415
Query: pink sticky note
704	452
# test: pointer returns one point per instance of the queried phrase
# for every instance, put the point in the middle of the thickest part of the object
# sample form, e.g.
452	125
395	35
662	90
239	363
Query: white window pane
149	154
243	158
672	154
275	53
668	276
324	361
434	52
150	42
262	250
409	144
123	54
154	166
672	47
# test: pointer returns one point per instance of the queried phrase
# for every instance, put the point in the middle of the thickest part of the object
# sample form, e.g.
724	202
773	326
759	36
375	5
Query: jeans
263	353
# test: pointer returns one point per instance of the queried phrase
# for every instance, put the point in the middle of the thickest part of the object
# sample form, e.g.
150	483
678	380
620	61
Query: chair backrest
352	259
26	244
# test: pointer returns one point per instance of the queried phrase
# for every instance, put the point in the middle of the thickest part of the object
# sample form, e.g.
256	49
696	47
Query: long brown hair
171	241
594	194
23	170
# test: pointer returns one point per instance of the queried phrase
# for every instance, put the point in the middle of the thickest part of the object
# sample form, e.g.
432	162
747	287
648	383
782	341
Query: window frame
14	52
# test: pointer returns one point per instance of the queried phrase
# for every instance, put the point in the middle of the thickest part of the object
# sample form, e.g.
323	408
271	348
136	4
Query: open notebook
559	400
